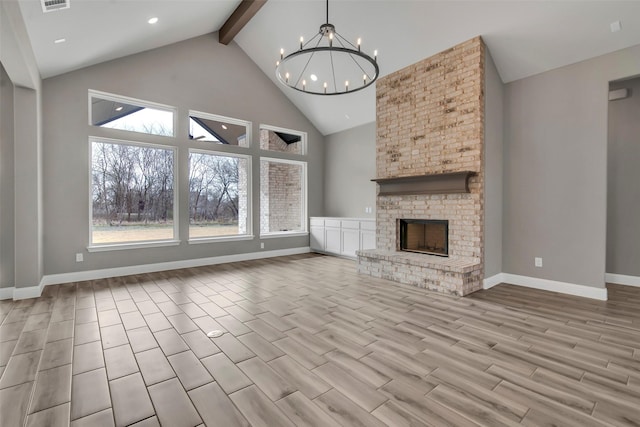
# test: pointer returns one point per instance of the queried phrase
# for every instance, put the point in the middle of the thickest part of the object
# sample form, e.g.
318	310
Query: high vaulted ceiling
524	37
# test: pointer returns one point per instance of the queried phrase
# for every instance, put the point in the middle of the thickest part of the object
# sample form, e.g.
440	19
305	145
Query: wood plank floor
309	342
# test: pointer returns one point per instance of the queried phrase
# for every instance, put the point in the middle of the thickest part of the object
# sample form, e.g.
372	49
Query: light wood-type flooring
309	342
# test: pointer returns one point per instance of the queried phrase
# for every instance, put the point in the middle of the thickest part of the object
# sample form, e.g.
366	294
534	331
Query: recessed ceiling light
615	26
119	108
58	41
314	77
153	20
224	127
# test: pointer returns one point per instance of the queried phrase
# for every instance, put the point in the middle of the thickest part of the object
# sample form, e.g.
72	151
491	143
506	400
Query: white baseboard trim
622	279
555	286
6	293
79	276
490	282
28	292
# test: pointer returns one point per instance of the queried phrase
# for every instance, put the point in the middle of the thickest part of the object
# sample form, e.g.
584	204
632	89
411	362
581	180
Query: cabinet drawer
368	225
353	225
332	223
317	222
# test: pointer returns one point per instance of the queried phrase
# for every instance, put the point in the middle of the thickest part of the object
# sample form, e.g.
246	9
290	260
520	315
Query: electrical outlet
261	245
79	257
538	262
368	209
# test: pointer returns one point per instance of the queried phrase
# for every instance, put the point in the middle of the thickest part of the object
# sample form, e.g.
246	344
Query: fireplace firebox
427	236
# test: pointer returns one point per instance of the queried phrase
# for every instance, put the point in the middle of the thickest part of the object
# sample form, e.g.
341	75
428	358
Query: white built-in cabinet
342	236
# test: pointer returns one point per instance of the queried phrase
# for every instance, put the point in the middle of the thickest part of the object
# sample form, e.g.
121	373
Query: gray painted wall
623	183
493	168
6	181
198	74
19	62
27	150
350	165
555	177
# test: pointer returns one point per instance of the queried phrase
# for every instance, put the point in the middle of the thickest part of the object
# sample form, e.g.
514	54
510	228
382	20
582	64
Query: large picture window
218	195
132	193
283	201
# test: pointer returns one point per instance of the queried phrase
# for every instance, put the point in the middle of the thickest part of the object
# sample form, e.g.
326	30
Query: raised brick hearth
430	121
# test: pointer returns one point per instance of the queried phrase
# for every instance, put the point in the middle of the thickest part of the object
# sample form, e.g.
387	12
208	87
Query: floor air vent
53	5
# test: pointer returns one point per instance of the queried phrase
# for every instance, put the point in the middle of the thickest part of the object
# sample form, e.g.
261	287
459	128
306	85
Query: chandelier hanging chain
327	21
292	69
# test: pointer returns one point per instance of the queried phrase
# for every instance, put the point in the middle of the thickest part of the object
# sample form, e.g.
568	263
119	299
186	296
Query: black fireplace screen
426	236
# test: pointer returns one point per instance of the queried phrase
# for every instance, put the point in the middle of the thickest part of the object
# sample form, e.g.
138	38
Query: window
283	203
114	112
132	193
283	140
218	130
218	195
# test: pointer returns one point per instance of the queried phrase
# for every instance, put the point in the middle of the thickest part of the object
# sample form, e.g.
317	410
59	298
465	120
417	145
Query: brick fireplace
429	165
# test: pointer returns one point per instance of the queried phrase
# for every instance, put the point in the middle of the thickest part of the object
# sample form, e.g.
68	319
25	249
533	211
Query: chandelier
327	64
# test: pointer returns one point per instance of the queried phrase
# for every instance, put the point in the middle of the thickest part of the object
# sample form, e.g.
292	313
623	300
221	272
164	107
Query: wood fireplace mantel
443	183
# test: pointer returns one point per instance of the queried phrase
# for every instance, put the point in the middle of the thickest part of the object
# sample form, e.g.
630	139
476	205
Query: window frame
229	120
304	209
132	101
102	247
302	134
212	239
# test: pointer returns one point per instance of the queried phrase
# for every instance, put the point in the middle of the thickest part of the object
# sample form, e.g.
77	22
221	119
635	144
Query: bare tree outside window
217	195
132	193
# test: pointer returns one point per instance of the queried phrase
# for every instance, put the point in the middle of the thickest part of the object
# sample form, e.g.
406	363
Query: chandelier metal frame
338	45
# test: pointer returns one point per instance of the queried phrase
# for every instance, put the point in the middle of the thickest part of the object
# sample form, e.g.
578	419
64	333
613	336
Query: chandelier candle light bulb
330	55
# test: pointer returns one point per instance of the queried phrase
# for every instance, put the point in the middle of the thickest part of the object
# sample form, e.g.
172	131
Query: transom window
114	112
282	140
218	129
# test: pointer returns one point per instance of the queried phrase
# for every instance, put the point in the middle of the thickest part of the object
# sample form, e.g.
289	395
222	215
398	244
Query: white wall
350	165
198	74
493	167
555	177
623	184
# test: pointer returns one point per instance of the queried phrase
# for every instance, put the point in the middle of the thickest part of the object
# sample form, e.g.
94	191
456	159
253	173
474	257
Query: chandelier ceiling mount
327	64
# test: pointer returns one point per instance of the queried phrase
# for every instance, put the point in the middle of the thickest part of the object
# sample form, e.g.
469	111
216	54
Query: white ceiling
524	37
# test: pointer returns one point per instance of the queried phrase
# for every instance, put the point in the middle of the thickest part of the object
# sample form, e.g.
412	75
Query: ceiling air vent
53	5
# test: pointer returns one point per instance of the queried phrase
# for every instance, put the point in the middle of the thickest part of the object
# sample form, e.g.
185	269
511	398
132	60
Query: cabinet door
332	240
350	242
367	239
317	238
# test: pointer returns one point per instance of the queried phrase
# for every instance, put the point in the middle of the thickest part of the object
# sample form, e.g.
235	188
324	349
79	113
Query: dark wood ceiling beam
238	19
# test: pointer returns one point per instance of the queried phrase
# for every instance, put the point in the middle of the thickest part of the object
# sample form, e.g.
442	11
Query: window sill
202	240
279	234
136	245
